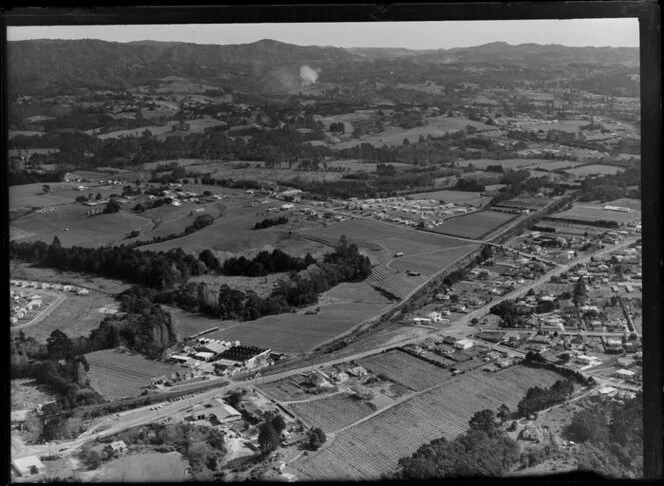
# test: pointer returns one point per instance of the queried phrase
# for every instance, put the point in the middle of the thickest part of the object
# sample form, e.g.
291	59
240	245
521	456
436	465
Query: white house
464	344
624	374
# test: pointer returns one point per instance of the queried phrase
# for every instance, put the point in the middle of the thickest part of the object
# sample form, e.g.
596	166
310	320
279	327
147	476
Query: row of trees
266	223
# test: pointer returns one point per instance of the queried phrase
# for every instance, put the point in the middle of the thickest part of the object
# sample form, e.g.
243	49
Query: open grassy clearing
475	225
374	447
596	212
405	369
594	169
334	412
232	236
136	132
140	468
391	237
71	225
76	316
116	374
27	393
393	136
287	333
456	197
173	220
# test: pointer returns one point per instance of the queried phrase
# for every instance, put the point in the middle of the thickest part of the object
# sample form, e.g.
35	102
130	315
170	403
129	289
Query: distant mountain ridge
48	66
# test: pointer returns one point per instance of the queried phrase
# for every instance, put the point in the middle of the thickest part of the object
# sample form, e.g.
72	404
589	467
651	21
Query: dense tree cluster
484	450
471	185
266	263
59	364
302	289
16	178
611	437
538	398
158	270
266	223
510	314
612	186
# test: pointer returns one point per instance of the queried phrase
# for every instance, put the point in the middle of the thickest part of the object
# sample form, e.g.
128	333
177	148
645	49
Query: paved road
459	327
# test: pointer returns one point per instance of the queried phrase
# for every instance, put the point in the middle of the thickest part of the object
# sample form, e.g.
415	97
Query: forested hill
40	66
48	67
524	54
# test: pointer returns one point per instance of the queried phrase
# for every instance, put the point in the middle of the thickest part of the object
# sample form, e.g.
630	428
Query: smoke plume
308	75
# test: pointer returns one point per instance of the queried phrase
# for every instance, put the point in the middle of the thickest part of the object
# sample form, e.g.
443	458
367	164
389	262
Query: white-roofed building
28	466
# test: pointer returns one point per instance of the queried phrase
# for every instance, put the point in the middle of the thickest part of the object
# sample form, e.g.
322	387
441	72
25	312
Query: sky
623	32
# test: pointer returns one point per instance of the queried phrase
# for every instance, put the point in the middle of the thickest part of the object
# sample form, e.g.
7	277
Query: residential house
117	447
624	374
357	371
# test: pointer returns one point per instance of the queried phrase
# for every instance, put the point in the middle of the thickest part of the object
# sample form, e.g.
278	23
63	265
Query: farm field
456	197
334	412
76	316
116	374
526	202
287	333
594	169
515	164
430	263
374	447
475	225
552	165
405	369
354	292
595	212
139	468
90	231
